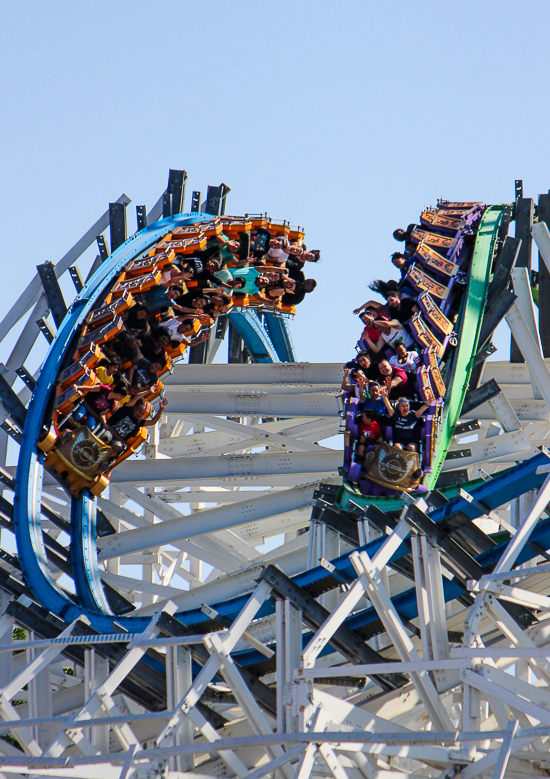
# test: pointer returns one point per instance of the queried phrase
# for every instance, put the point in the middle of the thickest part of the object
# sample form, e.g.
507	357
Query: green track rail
348	495
469	327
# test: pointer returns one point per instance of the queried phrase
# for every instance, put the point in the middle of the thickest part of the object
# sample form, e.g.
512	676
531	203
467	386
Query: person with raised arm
393	378
355	382
389	335
403	421
126	422
374	400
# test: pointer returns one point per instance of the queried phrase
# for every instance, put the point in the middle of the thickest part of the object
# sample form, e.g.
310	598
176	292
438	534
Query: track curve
274	613
28	483
91	598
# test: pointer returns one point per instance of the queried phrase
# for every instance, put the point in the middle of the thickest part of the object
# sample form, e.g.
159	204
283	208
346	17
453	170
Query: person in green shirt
257	277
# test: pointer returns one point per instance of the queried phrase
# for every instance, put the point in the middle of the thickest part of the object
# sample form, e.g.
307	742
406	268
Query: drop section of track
447	272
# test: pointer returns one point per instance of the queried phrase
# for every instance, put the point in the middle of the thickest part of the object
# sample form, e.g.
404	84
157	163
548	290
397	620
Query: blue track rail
84	554
279	334
249	327
27	513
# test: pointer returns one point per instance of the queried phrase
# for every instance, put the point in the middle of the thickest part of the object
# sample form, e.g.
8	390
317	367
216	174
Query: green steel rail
348	495
469	327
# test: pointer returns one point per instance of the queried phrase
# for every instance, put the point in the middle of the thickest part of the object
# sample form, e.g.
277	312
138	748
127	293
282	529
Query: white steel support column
179	678
530	349
522	288
330	551
292	653
280	675
96	672
40	701
6	637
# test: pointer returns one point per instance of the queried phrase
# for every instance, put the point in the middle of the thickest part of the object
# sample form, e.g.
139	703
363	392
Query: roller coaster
193	583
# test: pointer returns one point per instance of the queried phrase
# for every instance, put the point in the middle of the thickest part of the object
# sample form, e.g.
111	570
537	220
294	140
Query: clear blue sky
344	117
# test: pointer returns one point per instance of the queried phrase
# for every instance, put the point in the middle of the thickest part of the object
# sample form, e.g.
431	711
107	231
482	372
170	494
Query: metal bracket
29	380
45	329
102	246
76	278
480	395
141	216
196	201
52	290
12	431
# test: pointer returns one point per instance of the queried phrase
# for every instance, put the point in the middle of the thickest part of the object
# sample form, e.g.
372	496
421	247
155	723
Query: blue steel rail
84	554
279	334
28	484
249	327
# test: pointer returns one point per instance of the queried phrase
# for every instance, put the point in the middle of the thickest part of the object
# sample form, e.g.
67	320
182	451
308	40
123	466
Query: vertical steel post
52	290
117	224
213	197
141	216
196	201
198	353
544	282
96	672
293	653
176	190
236	352
524	224
179	678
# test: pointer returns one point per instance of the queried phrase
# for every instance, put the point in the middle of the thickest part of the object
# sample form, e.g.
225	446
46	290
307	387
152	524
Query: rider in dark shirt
260	241
403	422
363	361
100	399
402	263
300	291
400	309
404	236
125	422
295	271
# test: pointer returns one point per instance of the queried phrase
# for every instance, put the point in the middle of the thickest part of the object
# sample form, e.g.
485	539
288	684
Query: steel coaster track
499	490
249	326
445	514
28	491
503	488
92	600
273	346
469	328
279	334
